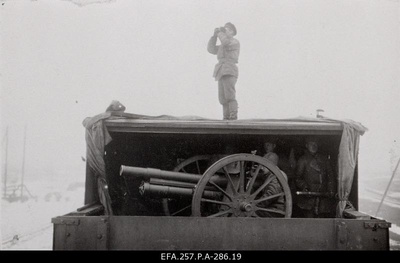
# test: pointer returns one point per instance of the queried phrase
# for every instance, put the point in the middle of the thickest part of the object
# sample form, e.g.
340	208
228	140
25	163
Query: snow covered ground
27	225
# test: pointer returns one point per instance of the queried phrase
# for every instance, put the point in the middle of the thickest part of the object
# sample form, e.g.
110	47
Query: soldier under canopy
314	174
274	187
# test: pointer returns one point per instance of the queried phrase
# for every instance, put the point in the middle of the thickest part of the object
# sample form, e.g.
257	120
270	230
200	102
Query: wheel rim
247	192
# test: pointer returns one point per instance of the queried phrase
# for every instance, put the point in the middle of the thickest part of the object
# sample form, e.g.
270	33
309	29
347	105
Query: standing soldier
226	71
314	174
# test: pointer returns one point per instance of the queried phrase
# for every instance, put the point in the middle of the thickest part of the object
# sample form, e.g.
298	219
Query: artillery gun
238	185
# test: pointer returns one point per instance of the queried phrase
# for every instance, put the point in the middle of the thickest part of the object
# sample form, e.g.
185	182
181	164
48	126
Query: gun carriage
169	183
232	186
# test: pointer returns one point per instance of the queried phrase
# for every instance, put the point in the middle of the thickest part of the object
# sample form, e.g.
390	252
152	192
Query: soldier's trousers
227	96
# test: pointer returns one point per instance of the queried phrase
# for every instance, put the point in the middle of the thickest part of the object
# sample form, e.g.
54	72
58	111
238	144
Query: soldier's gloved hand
216	31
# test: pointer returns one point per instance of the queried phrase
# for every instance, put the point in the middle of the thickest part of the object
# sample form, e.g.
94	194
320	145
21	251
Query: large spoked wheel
195	165
254	187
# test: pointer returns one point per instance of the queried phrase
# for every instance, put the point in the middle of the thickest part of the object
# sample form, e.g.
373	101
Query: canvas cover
97	137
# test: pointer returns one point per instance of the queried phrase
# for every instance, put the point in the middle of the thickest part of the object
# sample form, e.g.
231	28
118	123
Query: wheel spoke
268	197
257	169
180	210
229	179
198	167
254	215
221	213
253	179
215	202
241	177
271	210
222	190
269	179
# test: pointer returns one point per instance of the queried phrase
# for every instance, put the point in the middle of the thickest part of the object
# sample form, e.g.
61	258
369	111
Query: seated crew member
273	188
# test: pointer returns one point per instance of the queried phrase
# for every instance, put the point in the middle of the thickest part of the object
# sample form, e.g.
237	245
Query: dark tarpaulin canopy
97	137
347	158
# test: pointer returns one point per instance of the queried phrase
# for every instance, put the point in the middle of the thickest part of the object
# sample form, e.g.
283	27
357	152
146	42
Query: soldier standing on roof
226	71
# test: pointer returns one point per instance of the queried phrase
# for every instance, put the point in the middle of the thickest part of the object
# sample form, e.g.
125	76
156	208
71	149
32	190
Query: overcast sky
62	61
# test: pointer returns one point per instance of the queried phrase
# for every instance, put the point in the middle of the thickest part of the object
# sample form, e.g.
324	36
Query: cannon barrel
160	174
177	184
148	173
154	190
171	183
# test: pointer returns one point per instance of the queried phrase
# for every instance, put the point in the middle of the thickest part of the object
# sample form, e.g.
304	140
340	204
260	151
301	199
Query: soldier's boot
225	108
233	110
233	115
